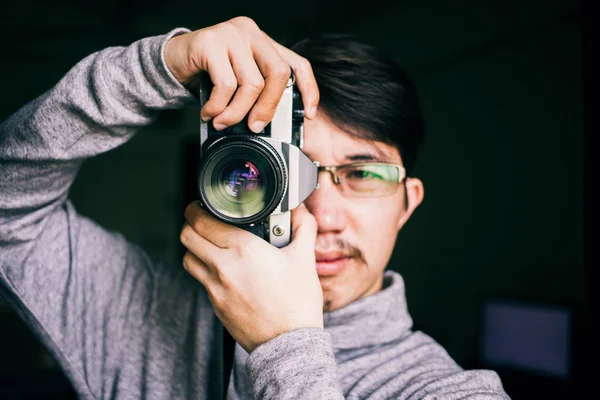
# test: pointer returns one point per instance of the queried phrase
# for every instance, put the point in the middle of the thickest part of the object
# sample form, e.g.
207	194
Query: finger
277	74
199	246
199	270
305	79
224	86
215	231
304	229
250	84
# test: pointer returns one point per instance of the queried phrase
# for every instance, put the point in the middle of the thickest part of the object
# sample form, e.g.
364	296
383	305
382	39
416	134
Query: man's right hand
248	69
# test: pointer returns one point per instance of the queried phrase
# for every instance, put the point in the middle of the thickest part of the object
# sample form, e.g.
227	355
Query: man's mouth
331	263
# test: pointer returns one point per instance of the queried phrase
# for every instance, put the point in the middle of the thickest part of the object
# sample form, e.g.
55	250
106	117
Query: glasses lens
369	179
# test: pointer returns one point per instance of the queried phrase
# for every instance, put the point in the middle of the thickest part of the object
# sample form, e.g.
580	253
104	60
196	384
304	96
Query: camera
254	180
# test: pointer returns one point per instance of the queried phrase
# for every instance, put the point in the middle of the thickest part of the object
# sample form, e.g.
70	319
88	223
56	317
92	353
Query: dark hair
365	92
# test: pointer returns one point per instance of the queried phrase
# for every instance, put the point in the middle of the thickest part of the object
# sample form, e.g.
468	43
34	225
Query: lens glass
239	183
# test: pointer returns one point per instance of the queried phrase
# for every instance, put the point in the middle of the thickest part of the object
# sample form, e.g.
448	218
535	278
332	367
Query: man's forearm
97	106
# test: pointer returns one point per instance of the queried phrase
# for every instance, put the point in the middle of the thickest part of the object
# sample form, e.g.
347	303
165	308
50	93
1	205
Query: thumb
304	230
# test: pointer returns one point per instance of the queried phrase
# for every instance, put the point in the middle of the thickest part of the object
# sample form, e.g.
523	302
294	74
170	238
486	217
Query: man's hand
257	290
248	69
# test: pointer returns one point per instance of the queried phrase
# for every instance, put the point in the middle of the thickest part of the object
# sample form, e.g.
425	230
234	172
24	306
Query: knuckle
190	211
244	248
187	260
228	85
205	36
229	27
221	276
197	223
202	224
217	298
244	22
230	117
256	85
212	109
281	70
186	236
183	236
304	65
226	241
208	111
241	251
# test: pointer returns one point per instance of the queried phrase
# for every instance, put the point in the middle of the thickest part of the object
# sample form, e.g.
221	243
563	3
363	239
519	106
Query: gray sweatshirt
122	326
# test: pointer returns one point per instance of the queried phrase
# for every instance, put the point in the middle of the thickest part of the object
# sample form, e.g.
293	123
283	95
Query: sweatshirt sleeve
100	103
295	365
79	287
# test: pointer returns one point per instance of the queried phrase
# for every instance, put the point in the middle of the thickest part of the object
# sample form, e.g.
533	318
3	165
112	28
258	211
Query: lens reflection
241	180
238	188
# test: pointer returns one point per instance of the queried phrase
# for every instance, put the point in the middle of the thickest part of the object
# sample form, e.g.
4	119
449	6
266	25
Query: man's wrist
305	351
168	53
175	58
174	55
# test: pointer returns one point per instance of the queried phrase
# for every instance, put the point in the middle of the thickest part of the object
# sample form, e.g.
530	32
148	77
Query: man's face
356	235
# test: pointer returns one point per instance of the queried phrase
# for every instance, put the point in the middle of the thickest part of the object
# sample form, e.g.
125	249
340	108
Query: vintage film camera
255	180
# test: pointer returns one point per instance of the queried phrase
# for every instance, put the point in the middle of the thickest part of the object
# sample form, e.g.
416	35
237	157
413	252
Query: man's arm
301	365
78	286
86	292
96	107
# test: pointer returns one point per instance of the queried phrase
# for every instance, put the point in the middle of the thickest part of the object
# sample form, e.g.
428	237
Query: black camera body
254	180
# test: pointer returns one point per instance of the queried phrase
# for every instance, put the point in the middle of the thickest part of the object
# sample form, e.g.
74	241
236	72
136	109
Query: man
316	319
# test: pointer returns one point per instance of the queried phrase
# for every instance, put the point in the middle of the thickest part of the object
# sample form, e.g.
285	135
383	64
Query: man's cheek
377	244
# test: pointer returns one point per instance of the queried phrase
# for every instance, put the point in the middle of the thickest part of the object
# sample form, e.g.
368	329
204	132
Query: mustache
327	244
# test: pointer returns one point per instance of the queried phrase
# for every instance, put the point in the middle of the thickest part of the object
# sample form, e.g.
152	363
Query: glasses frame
333	170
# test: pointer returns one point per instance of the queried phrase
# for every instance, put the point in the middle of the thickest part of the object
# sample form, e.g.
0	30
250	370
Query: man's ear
414	196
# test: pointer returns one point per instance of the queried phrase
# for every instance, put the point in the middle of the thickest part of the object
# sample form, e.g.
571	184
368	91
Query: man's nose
326	204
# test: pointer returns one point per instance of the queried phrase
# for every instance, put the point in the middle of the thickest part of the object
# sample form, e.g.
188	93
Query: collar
373	320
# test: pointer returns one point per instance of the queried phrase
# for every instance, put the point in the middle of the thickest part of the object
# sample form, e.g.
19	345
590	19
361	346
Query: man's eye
363	174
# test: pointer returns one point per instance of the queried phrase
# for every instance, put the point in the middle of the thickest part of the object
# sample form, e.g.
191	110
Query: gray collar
373	320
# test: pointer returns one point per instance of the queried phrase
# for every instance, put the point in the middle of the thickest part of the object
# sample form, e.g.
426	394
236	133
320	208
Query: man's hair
365	93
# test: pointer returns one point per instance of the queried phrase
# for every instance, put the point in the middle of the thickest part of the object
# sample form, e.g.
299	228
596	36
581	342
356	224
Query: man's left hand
257	290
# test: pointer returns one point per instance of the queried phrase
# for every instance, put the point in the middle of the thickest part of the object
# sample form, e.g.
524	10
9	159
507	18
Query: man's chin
329	284
329	306
339	291
332	300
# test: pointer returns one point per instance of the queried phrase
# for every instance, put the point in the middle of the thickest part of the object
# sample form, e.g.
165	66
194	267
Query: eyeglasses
366	179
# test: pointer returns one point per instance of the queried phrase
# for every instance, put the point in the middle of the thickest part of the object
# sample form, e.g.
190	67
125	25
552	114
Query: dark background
501	88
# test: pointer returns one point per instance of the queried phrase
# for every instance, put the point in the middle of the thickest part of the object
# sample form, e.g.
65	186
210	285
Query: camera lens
241	179
237	187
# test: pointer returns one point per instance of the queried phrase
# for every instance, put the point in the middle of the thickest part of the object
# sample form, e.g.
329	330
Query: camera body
254	180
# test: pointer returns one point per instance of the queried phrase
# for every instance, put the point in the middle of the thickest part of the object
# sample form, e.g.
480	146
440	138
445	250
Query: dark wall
501	87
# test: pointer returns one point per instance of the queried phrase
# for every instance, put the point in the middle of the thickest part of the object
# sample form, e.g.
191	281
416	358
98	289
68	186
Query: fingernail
220	127
257	126
312	113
